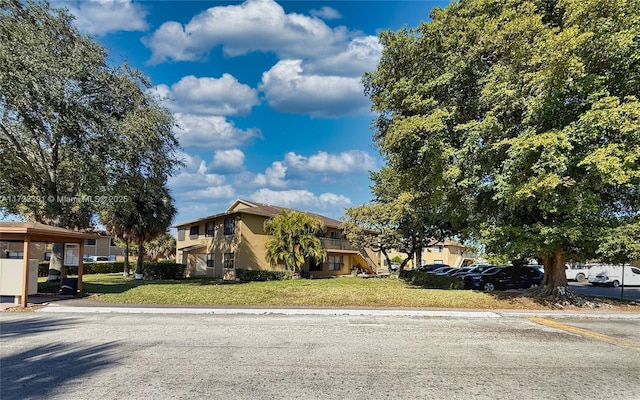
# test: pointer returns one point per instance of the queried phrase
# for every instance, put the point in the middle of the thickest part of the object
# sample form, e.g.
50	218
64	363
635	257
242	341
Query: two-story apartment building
447	252
217	245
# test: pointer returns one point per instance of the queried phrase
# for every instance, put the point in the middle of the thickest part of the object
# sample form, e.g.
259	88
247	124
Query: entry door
201	264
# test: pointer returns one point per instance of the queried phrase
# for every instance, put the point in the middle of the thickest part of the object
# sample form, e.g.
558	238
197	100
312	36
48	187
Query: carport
16	281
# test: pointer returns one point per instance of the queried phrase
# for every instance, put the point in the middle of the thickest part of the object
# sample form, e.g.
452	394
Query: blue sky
267	94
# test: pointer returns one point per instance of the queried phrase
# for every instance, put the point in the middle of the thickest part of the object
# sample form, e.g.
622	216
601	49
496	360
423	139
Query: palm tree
293	239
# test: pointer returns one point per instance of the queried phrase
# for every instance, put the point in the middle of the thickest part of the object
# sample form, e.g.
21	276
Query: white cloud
323	162
211	132
208	194
255	25
326	13
195	184
209	96
288	89
100	17
194	174
274	176
301	199
228	160
360	55
296	170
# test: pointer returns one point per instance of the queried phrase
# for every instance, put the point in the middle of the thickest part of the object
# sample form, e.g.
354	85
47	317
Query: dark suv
510	277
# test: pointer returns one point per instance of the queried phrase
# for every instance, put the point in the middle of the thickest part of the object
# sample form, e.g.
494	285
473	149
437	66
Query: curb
56	309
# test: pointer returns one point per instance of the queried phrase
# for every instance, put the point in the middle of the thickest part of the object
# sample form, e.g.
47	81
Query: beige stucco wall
249	247
451	255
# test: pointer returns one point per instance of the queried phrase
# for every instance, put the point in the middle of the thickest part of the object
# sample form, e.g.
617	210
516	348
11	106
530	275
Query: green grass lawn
337	292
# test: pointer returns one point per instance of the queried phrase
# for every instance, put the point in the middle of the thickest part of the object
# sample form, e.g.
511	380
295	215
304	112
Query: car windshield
491	271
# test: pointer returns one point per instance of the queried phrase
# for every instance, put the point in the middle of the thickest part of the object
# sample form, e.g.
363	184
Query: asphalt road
587	289
177	356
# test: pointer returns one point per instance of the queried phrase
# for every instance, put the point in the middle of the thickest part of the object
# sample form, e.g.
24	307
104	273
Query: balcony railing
337	244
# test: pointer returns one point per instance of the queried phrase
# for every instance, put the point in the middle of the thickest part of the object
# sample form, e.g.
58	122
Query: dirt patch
538	298
29	308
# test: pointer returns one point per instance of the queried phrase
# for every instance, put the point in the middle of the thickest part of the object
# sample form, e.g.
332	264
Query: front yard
337	292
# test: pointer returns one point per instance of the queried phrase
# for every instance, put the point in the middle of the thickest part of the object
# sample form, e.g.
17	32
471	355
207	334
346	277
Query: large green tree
524	114
293	238
72	125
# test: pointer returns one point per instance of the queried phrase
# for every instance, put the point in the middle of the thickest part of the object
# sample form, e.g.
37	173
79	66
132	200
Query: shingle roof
264	210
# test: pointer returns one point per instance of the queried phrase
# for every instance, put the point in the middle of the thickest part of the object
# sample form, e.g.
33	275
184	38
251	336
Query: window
335	263
229	226
15	254
113	243
210	260
438	249
315	264
209	229
194	231
90	242
47	256
227	260
181	234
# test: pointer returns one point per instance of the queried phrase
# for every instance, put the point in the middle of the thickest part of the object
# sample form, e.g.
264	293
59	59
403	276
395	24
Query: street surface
587	289
178	356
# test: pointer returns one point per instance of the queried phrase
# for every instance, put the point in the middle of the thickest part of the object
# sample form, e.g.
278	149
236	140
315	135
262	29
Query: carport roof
39	232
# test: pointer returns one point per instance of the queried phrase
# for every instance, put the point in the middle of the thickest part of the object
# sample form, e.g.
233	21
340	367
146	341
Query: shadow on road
32	326
44	370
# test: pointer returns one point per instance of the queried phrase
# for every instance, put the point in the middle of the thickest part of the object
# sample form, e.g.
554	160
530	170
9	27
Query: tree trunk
140	257
555	278
56	268
127	267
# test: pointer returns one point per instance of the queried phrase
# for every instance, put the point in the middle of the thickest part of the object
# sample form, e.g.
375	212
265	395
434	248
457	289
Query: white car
576	272
614	275
573	273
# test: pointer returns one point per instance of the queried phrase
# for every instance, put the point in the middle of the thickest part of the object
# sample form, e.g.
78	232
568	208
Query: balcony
336	244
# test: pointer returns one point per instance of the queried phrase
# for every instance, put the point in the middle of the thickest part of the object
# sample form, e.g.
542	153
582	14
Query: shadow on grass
121	287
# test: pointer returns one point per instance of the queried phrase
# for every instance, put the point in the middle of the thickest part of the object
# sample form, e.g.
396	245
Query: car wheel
580	277
489	287
616	284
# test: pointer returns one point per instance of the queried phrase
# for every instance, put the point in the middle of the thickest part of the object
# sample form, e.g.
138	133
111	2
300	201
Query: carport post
25	270
80	267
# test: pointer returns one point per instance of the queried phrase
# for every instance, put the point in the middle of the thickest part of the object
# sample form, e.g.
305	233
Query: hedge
87	268
150	270
162	270
249	275
431	281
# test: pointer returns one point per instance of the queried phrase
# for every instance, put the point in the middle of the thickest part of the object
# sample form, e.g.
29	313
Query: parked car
613	275
459	272
442	271
510	277
431	267
475	270
576	273
95	259
472	279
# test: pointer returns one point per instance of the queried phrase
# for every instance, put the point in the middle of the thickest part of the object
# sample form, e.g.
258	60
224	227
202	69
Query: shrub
87	268
249	275
431	281
163	270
